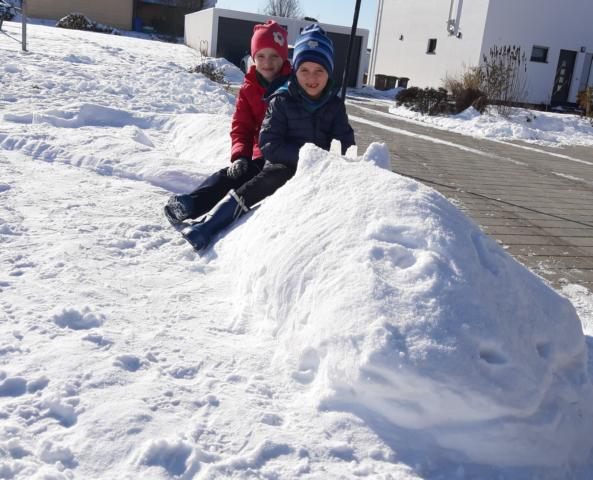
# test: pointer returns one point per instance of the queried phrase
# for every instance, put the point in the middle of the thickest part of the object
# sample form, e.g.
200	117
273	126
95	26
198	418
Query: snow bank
127	107
392	304
543	128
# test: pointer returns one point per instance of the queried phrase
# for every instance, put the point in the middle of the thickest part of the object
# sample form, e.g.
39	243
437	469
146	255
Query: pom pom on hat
270	35
314	45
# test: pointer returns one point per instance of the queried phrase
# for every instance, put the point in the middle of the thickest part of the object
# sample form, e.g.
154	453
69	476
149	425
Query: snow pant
217	185
265	183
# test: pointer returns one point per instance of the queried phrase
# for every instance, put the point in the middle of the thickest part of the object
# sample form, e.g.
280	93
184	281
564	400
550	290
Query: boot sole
172	219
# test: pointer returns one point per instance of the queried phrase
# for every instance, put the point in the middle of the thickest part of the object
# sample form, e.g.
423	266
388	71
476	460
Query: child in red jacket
269	49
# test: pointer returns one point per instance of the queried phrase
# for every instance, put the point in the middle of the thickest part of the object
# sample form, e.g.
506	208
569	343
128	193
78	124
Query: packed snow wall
389	302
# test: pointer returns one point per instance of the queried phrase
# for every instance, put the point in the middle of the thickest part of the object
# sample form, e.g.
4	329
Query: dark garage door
340	41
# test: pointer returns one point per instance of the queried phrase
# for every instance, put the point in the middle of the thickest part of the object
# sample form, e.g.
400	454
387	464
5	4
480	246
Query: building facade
115	13
160	16
218	32
427	40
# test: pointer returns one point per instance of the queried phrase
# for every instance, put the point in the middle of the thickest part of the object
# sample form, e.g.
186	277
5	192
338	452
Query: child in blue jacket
304	110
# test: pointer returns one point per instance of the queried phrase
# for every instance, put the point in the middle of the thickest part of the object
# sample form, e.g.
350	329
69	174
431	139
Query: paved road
537	202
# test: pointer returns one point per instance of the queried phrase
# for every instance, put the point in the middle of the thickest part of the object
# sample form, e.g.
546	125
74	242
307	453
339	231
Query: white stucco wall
558	25
199	31
418	21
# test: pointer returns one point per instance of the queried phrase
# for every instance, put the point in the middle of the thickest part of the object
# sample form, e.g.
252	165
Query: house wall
197	30
200	31
115	13
565	25
404	28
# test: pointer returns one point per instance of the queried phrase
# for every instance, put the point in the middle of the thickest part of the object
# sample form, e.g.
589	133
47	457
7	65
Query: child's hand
238	168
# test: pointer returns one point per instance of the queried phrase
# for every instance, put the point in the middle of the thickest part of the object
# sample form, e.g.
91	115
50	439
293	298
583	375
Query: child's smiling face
312	78
268	63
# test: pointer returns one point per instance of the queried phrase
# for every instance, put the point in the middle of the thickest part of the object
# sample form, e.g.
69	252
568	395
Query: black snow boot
178	208
221	216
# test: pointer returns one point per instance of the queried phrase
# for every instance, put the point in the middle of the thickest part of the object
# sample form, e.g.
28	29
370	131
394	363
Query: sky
337	12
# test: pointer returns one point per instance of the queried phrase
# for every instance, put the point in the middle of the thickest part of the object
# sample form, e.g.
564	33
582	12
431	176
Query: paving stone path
535	201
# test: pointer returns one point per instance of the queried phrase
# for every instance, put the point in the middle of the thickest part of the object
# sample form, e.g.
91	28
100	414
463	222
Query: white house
218	32
424	40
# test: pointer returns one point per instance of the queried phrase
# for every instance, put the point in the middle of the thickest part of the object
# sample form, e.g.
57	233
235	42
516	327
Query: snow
531	126
525	125
356	324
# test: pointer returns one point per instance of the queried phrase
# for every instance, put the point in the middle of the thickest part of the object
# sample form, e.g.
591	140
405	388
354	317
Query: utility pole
24	25
350	46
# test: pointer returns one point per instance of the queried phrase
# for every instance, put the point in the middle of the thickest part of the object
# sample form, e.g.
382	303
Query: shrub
426	101
77	21
210	71
499	81
468	97
480	103
466	90
585	101
502	76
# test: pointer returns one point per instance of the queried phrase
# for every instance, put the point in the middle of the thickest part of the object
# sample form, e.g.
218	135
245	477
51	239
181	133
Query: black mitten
238	168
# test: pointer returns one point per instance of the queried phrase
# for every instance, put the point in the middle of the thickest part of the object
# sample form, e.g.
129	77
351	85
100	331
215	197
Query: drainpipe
449	17
458	19
373	61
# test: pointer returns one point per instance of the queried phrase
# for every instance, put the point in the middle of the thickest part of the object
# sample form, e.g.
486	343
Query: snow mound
390	303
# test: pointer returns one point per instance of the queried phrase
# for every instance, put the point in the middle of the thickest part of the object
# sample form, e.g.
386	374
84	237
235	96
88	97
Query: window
539	54
432	45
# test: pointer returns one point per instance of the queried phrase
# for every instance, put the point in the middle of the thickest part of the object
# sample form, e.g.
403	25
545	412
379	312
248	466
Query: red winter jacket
249	115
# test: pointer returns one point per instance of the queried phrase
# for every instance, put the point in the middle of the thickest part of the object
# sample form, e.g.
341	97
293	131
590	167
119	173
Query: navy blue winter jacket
290	122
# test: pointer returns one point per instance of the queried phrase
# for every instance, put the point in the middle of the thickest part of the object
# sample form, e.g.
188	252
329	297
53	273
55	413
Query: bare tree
283	8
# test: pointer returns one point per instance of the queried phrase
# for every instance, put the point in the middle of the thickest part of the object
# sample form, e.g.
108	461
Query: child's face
312	78
268	63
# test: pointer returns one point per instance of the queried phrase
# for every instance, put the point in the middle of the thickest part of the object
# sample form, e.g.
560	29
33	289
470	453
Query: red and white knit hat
270	35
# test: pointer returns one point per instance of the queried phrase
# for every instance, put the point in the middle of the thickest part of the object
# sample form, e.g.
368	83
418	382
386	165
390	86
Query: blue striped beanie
314	45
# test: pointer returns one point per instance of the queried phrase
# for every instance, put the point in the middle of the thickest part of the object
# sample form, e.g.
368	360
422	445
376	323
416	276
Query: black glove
238	168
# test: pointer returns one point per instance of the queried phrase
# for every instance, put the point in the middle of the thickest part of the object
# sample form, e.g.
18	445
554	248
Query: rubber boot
225	212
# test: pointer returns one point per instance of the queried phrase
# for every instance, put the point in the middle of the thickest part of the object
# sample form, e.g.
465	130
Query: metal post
350	46
24	27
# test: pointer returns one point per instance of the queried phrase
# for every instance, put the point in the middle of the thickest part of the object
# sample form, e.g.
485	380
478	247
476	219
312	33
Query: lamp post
350	46
24	25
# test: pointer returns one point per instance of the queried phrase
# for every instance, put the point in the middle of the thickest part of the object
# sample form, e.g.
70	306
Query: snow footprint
51	453
61	409
17	386
78	319
131	363
13	387
308	366
394	244
98	340
272	419
176	457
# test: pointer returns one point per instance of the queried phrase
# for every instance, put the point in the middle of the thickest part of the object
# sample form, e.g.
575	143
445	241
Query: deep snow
356	324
